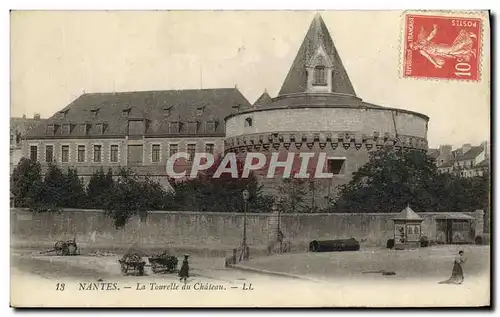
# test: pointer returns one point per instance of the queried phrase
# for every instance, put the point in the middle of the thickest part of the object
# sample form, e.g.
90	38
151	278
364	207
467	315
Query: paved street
432	263
34	281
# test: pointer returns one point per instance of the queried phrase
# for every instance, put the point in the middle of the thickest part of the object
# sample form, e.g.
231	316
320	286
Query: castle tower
317	110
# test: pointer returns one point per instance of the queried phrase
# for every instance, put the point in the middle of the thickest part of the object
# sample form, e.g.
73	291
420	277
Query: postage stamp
289	165
444	47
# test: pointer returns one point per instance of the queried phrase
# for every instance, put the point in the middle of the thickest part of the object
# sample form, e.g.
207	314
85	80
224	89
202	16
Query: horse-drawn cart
132	262
163	262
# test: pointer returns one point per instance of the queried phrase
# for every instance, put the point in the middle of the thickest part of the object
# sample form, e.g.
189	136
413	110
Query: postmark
442	47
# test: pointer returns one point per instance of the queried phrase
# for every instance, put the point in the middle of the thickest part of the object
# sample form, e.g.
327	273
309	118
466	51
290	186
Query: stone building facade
466	161
318	110
138	130
19	127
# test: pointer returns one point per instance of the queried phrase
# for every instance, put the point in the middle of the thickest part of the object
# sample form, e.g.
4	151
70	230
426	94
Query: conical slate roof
407	214
263	99
317	35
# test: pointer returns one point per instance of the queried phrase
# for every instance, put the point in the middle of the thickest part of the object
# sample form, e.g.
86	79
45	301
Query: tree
25	175
389	181
75	195
132	195
98	188
222	194
392	179
293	193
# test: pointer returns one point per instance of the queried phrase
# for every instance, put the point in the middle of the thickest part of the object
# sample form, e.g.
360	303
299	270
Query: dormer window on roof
320	76
211	126
99	128
200	109
85	128
62	114
49	129
94	112
237	107
126	112
174	127
136	127
66	128
192	127
166	111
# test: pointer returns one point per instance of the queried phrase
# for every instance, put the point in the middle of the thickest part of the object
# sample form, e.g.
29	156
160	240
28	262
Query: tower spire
317	46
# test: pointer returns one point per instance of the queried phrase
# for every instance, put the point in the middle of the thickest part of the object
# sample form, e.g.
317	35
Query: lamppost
246	196
276	210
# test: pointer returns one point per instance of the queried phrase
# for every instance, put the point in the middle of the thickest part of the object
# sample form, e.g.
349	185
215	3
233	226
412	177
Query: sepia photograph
327	158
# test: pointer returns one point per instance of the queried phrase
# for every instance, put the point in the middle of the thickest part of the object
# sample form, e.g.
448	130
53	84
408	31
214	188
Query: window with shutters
209	148
191	150
81	154
113	157
49	153
97	153
172	149
65	153
155	153
34	153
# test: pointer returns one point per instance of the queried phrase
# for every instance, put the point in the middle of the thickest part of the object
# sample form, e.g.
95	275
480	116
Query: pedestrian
184	271
457	273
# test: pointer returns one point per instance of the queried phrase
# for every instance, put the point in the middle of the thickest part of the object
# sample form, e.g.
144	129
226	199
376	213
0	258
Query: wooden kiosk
407	229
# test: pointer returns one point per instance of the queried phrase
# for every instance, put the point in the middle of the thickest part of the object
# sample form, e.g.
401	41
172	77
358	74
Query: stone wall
208	230
362	121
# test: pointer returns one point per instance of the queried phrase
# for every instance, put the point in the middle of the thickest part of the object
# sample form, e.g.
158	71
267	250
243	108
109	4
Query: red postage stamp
442	47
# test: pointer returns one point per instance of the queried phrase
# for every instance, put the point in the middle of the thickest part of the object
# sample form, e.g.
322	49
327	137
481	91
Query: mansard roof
316	36
158	108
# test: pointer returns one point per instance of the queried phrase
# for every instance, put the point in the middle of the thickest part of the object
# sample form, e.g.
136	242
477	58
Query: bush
390	244
424	241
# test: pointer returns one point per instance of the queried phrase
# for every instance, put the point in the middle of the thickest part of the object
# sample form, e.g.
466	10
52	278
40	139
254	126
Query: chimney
486	149
36	116
445	154
444	150
466	147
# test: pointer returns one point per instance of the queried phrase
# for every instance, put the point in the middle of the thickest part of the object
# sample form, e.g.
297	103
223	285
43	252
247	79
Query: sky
58	55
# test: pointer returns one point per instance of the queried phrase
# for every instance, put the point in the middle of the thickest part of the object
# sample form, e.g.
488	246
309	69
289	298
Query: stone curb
273	273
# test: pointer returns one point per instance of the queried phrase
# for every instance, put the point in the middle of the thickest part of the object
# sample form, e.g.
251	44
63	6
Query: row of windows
136	127
98	157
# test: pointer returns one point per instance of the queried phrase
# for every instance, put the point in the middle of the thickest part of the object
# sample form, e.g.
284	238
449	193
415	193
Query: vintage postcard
236	159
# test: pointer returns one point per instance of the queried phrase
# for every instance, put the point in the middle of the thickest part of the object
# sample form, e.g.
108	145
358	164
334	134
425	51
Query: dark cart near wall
163	262
66	247
334	245
132	262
